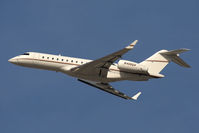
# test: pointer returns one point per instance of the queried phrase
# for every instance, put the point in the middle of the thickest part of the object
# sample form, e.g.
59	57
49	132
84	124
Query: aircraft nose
13	60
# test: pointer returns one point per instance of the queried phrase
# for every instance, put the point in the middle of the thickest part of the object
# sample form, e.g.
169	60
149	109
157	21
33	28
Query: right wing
94	67
108	88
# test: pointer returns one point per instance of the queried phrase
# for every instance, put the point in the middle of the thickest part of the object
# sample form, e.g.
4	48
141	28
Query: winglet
132	44
135	97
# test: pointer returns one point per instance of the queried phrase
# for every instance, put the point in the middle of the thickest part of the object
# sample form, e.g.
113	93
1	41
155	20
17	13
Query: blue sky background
37	101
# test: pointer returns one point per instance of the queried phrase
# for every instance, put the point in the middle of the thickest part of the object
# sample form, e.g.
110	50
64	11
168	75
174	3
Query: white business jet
98	73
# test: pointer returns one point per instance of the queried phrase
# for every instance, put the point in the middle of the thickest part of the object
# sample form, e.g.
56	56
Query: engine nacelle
132	67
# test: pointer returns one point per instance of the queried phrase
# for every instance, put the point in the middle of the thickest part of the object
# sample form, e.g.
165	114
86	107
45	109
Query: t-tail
160	59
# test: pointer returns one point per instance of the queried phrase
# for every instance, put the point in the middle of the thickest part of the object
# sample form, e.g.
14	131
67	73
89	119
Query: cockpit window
26	54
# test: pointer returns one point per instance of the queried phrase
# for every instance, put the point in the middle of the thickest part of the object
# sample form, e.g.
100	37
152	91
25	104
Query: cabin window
47	57
76	61
62	59
57	58
71	60
66	60
81	62
43	57
52	58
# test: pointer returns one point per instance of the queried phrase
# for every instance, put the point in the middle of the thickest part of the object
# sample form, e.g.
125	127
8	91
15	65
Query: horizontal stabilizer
177	51
173	55
135	97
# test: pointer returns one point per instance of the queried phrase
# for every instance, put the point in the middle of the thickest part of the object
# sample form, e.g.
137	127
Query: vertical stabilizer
156	62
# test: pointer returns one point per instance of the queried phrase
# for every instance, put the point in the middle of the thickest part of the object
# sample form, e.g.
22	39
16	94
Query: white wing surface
94	67
108	88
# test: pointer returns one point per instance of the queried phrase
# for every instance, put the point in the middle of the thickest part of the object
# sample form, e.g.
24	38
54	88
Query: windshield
26	54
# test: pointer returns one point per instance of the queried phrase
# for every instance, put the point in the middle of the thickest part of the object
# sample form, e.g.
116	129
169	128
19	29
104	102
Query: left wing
94	67
108	88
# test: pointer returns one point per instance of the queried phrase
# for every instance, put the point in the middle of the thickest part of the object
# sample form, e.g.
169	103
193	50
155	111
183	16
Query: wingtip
135	97
132	44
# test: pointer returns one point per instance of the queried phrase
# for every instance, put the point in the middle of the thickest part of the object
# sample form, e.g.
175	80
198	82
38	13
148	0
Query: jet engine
133	67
